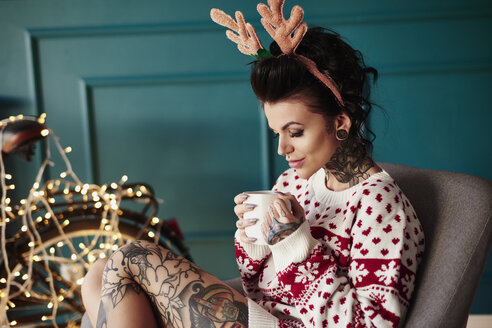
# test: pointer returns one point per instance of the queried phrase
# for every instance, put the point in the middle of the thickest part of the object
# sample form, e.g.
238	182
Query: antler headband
287	33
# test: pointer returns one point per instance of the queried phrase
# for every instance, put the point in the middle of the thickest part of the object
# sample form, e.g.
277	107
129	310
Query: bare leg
180	294
91	289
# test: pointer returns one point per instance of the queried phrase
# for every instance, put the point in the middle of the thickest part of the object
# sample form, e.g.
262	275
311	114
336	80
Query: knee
93	280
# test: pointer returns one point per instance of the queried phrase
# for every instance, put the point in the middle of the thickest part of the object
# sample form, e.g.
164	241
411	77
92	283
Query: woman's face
302	135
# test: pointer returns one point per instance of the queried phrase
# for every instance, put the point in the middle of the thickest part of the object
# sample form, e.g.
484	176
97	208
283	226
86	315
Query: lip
296	163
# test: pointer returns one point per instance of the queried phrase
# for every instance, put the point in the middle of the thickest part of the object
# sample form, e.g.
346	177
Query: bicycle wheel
68	258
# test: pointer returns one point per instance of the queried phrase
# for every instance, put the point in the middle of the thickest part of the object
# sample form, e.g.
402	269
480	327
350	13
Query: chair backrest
455	212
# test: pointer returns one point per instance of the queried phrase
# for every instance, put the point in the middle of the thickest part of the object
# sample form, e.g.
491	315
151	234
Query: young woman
345	256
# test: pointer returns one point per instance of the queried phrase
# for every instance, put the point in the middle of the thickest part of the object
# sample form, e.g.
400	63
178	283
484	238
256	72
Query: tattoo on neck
350	163
279	231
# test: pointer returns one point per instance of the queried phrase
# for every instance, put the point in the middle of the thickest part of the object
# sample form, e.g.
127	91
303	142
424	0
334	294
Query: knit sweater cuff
295	248
255	252
258	317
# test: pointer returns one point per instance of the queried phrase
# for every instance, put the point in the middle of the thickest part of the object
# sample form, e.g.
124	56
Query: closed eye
296	134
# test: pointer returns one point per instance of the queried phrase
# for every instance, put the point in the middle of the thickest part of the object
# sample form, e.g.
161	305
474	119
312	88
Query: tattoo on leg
171	284
350	163
101	316
215	306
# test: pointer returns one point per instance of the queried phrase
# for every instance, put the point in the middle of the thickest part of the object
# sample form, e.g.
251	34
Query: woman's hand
279	221
241	208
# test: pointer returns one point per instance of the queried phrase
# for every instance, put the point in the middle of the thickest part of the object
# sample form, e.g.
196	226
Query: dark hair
282	77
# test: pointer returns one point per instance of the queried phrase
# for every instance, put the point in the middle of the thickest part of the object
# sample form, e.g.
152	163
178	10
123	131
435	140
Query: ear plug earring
342	134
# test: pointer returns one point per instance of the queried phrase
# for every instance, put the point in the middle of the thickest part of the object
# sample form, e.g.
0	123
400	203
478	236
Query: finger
273	212
244	238
240	209
281	209
268	222
241	224
239	199
296	208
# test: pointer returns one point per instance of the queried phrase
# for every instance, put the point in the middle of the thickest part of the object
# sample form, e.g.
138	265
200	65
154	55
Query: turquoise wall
152	89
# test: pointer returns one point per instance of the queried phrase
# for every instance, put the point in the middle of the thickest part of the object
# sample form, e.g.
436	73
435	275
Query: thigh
181	294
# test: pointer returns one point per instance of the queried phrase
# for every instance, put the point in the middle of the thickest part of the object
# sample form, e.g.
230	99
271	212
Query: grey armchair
455	211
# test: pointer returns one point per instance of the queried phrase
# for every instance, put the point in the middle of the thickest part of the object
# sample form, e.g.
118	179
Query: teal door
154	90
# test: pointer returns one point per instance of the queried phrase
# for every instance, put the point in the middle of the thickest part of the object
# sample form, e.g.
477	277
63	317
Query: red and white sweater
351	264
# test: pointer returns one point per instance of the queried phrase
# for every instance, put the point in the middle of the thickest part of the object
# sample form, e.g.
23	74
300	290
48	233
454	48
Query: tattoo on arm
350	163
279	231
174	287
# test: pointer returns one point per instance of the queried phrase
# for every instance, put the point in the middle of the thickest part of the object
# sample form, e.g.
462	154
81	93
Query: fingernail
240	223
244	196
252	220
250	206
279	192
252	239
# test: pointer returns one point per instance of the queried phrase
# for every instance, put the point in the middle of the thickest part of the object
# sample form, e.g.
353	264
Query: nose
284	146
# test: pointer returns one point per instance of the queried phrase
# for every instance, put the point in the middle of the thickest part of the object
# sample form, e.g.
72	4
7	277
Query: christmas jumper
352	263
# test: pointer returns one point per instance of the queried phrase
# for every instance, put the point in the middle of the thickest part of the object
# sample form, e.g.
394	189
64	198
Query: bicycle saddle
20	135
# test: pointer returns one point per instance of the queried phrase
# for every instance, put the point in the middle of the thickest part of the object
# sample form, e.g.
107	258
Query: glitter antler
246	38
287	33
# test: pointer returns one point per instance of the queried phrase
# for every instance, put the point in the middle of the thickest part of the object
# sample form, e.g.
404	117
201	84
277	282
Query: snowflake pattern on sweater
352	263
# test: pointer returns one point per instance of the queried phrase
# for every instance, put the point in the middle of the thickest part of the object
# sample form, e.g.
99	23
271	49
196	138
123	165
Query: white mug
262	199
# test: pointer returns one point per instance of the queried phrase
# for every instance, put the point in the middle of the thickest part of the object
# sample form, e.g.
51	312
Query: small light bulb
59	244
8	176
73	257
151	234
155	220
114	185
45	132
42	118
68	150
124	178
24	228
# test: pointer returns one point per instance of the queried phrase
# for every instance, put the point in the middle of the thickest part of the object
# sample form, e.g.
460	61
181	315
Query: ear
343	121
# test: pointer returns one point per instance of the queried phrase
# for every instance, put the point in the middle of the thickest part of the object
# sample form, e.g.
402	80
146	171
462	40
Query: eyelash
292	135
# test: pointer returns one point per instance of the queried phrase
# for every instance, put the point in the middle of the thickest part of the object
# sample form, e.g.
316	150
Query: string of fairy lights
45	263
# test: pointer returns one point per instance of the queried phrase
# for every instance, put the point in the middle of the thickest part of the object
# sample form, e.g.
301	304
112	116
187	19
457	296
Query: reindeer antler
246	38
287	33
